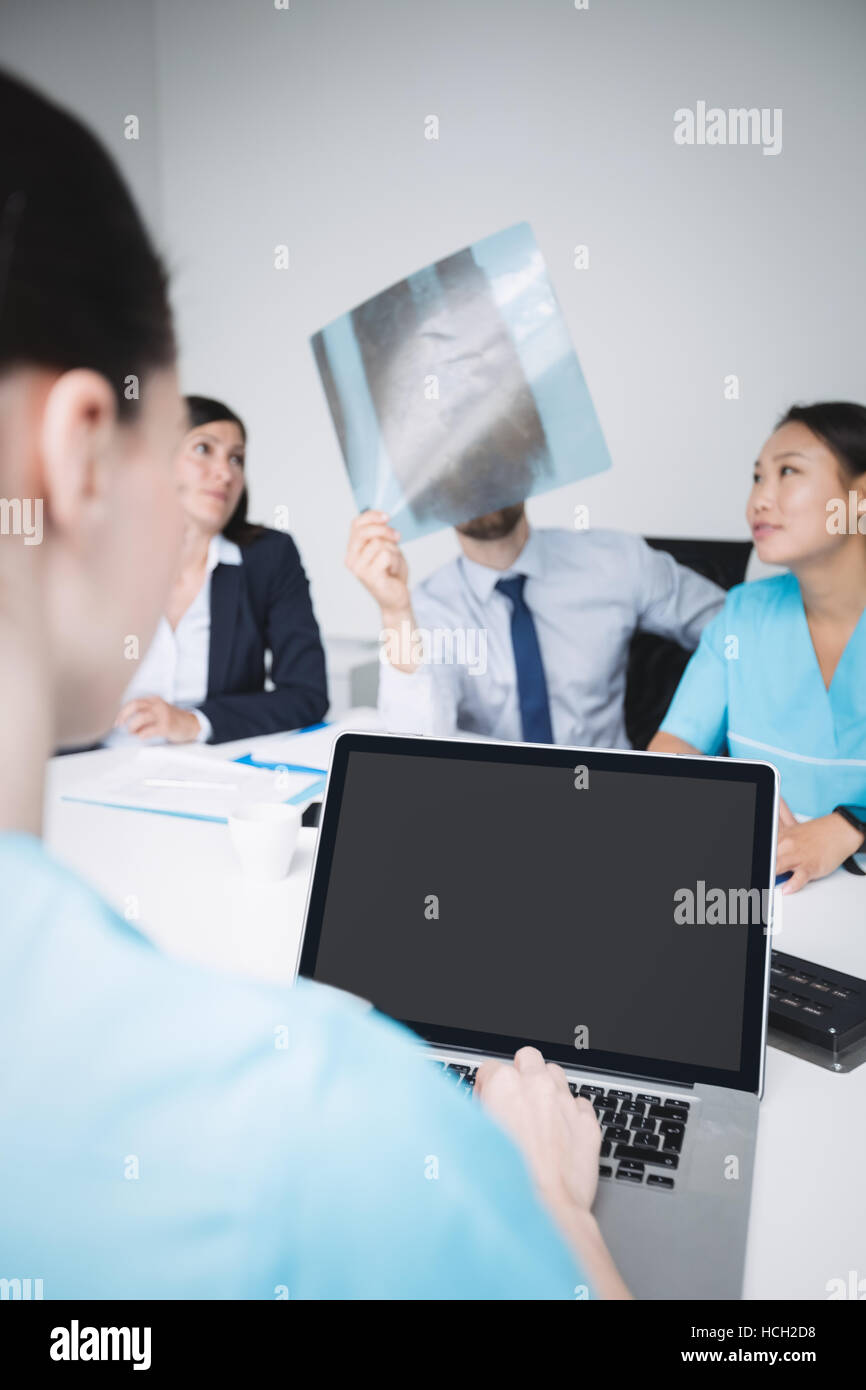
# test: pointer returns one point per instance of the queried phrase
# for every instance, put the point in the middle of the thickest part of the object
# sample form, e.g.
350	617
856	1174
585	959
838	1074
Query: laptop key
608	1117
648	1100
643	1136
648	1155
617	1134
671	1127
673	1144
592	1091
659	1180
619	1095
631	1107
604	1170
631	1165
605	1148
668	1112
628	1175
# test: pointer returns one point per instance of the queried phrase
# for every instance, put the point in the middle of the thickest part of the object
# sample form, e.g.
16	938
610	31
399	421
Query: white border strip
797	757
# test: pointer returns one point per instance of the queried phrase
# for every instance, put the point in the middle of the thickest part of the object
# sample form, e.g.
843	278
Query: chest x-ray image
457	391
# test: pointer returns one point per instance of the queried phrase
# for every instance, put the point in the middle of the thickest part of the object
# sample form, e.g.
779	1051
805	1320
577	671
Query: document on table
183	784
312	749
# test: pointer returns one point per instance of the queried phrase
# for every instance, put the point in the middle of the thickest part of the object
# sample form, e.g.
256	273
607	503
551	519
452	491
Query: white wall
98	58
305	126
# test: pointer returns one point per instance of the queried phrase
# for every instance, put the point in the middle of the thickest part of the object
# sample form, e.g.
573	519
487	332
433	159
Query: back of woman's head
80	282
86	350
841	425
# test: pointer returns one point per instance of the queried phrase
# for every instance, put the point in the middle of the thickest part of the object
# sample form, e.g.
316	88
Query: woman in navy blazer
241	592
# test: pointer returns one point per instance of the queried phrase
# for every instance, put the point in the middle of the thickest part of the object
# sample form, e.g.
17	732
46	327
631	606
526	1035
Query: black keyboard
642	1133
818	1007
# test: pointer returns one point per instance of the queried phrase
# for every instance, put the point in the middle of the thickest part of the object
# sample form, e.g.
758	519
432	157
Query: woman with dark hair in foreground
240	592
170	1132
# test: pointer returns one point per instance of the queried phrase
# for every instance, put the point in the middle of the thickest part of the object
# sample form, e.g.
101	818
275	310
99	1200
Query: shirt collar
482	579
222	552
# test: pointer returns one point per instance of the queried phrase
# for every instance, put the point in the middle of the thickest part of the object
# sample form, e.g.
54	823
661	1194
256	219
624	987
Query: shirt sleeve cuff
205	728
410	702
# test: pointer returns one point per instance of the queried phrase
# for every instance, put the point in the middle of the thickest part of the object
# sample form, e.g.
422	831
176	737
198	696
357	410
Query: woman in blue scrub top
780	673
157	1142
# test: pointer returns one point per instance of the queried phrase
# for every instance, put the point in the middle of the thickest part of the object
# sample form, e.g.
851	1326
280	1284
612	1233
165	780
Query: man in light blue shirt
541	658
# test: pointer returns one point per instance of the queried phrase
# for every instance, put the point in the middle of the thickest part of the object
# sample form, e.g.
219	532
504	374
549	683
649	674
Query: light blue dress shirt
588	591
168	1132
754	688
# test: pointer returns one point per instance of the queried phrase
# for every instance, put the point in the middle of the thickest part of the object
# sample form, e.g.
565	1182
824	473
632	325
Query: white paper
203	787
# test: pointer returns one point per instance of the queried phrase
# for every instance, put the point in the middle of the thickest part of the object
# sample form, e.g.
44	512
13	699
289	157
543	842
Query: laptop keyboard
642	1133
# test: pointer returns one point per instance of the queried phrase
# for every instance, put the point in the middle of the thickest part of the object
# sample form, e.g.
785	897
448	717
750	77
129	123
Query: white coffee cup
264	835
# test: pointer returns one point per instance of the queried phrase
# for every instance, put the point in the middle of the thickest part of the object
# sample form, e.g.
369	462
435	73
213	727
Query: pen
199	786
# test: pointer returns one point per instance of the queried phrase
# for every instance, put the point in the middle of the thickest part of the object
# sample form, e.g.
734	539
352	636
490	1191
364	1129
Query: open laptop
614	910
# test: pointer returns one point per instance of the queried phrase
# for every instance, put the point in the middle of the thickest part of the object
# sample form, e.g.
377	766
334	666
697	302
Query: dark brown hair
841	425
80	282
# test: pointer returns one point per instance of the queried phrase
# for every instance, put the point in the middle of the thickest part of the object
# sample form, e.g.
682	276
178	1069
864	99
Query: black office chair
655	664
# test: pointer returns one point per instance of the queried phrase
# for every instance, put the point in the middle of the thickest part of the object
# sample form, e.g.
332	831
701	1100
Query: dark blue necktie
531	680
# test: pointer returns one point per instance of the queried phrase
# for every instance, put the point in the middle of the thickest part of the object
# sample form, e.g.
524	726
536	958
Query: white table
179	880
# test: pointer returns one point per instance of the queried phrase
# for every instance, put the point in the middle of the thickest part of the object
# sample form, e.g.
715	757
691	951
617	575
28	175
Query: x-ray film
457	391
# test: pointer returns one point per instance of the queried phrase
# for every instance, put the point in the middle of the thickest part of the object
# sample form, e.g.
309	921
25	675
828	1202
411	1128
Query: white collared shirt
175	666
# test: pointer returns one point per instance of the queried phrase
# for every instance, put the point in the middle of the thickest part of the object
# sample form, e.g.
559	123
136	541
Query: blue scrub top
754	688
168	1132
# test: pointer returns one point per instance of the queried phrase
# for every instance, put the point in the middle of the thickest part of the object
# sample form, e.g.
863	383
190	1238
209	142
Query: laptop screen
609	908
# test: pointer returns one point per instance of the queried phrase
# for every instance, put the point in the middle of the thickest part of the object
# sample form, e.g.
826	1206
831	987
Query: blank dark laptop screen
482	900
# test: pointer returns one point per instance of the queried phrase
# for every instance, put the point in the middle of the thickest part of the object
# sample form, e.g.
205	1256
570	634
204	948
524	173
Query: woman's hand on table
813	848
152	717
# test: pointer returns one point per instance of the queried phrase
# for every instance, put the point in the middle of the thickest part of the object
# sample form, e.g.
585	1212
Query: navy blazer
263	604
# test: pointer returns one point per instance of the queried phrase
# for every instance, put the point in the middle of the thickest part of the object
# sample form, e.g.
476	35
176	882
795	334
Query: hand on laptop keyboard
560	1139
558	1134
